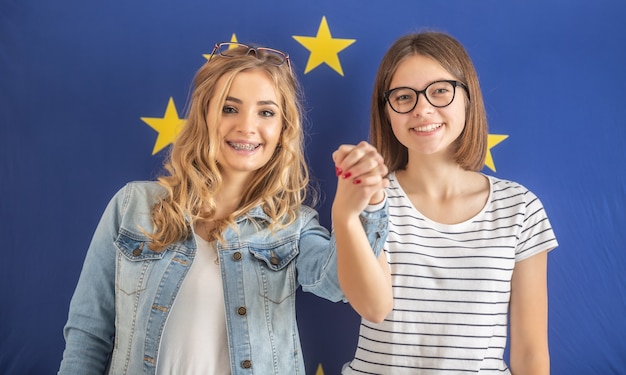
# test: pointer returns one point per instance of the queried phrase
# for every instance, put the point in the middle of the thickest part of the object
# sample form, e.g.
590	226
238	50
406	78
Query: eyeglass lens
438	94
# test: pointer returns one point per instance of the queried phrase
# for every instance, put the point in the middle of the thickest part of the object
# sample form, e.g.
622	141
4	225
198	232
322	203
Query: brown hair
194	177
471	145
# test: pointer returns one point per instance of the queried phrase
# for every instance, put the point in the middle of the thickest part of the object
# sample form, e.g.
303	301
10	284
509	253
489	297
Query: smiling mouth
427	128
244	146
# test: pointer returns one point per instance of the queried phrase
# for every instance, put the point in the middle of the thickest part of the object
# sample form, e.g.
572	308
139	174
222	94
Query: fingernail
338	171
356	182
346	175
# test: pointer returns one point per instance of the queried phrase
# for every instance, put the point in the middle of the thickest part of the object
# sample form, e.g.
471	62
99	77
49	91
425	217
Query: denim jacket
125	290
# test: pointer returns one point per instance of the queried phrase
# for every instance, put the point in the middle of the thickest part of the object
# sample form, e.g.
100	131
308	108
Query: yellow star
320	370
168	127
233	39
324	48
493	140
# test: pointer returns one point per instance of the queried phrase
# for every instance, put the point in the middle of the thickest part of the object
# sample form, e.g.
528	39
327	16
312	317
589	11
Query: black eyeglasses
272	56
439	94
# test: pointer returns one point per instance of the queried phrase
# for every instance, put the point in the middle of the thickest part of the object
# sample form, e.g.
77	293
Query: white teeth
428	128
243	146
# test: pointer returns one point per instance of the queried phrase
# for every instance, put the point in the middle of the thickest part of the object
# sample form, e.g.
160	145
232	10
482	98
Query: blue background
76	77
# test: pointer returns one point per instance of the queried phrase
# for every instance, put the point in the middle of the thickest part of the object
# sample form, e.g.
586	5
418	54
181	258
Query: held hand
361	172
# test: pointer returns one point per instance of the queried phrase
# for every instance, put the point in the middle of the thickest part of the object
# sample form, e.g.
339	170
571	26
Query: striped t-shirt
451	285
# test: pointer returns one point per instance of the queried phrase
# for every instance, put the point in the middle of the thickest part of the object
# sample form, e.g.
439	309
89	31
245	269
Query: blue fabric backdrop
84	94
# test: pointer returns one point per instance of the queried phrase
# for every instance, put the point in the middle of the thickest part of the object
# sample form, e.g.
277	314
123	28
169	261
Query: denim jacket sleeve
90	327
317	261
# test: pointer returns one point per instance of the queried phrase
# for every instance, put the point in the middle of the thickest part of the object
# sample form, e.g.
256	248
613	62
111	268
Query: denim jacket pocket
134	262
276	270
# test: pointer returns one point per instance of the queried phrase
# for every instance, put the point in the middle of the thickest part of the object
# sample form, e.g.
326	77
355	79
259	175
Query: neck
435	178
229	196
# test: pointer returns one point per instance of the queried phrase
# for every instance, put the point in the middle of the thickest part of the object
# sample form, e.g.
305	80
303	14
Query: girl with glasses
196	273
467	252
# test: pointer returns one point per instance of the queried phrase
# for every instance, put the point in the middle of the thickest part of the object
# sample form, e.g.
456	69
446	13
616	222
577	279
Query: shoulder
302	213
500	184
512	196
305	216
307	211
148	192
134	200
507	189
393	190
536	233
147	188
307	219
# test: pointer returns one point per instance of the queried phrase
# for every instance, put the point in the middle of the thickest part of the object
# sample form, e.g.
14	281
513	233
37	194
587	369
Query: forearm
533	363
84	353
529	351
365	282
90	328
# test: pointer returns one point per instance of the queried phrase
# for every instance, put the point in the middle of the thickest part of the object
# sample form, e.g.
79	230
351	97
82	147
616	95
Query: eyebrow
260	102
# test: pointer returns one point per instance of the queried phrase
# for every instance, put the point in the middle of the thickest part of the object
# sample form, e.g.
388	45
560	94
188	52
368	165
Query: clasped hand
361	174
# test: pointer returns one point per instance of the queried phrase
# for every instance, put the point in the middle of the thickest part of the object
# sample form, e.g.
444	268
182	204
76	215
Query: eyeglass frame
218	48
453	82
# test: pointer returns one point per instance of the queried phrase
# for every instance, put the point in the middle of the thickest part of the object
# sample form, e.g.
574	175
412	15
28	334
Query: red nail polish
357	181
338	171
347	174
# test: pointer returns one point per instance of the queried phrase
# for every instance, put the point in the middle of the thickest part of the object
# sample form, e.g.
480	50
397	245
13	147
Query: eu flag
92	94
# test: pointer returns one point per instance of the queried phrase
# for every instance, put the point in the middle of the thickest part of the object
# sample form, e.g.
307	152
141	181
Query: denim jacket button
241	310
237	256
137	251
246	364
274	260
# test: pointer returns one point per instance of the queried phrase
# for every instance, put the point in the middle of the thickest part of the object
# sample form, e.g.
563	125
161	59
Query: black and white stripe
452	285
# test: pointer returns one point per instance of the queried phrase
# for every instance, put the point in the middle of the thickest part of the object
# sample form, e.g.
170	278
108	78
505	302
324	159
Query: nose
422	106
247	123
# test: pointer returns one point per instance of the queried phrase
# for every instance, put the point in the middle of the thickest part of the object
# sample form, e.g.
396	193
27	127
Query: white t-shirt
194	340
451	285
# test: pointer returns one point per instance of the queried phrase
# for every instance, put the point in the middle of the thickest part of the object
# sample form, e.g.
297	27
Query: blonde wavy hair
193	176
